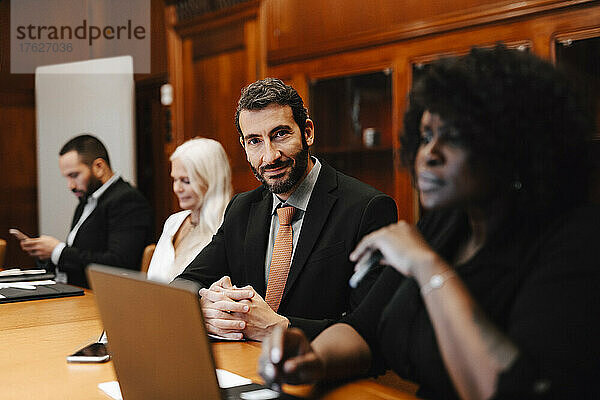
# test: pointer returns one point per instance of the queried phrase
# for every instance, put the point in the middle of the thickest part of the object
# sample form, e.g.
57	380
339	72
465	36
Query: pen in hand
364	265
270	373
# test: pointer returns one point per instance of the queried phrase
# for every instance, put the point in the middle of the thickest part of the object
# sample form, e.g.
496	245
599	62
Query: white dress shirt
89	207
299	200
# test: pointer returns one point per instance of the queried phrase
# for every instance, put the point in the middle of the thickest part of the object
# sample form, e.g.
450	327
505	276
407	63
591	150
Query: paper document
229	379
226	380
112	389
17	271
25	285
219	337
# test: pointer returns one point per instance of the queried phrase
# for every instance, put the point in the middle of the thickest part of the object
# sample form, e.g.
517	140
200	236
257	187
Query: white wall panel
95	97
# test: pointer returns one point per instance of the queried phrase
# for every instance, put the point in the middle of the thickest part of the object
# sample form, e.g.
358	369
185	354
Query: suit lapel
256	240
115	187
78	212
317	212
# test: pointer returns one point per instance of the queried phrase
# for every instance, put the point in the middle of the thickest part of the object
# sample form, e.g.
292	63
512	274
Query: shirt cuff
55	256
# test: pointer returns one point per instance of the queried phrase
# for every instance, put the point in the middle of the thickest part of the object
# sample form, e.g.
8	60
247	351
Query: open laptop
157	339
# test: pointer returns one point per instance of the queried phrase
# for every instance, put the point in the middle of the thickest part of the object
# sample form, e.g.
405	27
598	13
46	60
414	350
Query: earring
517	185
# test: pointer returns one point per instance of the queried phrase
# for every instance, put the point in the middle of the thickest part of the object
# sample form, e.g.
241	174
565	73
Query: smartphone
18	234
93	353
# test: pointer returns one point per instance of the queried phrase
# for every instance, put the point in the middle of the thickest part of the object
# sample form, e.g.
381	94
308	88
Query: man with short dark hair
112	223
280	257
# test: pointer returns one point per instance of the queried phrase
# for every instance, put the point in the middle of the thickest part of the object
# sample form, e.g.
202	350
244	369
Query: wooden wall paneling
190	108
252	44
18	163
261	37
215	92
405	195
337	26
9	82
540	32
221	40
158	55
301	84
175	77
4	37
204	94
217	98
216	55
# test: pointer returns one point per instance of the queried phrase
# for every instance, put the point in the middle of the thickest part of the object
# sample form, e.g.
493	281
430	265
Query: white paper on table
112	389
229	379
219	337
18	272
35	283
226	380
25	285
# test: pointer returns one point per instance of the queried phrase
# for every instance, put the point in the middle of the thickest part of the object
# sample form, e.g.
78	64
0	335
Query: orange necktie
282	256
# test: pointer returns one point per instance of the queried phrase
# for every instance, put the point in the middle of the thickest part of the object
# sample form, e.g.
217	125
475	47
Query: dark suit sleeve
211	263
128	223
380	211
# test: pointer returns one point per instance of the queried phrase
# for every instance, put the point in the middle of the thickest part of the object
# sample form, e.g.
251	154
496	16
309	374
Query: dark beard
299	164
93	185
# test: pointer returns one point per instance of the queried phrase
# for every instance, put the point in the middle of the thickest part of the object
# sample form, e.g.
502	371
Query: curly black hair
519	118
262	93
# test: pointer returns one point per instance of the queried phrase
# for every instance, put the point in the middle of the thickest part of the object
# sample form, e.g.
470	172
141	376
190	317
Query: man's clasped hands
238	313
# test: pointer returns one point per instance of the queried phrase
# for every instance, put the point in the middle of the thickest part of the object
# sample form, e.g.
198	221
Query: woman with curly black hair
495	292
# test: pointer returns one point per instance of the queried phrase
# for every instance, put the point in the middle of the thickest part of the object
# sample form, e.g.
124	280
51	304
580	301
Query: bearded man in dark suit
332	212
112	223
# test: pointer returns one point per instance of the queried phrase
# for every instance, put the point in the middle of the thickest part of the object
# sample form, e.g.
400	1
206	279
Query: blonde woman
202	183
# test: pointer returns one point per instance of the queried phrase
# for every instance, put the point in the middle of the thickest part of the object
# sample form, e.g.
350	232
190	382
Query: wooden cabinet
301	29
353	125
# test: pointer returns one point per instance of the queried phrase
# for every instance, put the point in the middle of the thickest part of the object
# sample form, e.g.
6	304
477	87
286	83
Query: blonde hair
207	166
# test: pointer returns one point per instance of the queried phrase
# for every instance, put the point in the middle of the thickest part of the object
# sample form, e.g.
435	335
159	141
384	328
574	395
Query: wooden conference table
36	336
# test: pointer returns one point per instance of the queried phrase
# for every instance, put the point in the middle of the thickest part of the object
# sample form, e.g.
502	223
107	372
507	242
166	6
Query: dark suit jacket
340	212
115	233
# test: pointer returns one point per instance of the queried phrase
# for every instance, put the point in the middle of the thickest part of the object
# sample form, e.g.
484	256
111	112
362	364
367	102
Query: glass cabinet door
579	56
353	126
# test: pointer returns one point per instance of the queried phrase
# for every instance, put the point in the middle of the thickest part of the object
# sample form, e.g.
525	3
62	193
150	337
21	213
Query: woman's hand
401	245
287	357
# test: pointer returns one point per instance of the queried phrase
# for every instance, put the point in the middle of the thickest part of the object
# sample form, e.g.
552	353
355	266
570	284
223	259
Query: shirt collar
299	199
100	191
